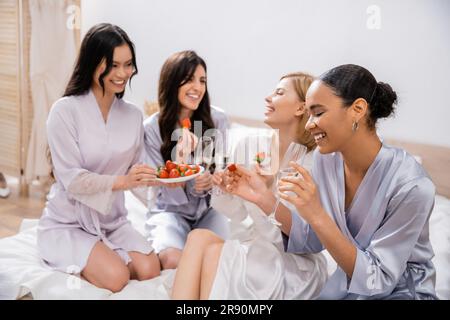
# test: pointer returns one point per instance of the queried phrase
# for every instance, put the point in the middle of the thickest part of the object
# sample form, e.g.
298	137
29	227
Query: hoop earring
355	126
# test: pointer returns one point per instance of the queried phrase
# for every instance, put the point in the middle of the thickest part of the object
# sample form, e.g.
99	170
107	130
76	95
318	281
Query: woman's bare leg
209	268
187	279
144	266
105	269
169	258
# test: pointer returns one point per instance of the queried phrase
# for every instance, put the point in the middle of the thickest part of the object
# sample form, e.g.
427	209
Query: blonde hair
301	82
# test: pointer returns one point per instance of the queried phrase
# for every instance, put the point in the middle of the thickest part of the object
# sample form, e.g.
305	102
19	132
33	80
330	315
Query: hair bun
382	105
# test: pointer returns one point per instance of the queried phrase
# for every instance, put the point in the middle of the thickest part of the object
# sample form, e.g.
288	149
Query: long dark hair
350	82
176	71
98	44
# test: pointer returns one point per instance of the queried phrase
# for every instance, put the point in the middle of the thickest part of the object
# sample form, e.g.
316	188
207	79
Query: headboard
435	159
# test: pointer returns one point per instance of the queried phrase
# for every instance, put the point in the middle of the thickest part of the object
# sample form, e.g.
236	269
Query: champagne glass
203	156
219	166
207	152
203	153
296	152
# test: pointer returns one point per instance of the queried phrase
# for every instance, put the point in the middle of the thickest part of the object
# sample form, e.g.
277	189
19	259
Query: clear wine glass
220	165
207	152
296	152
203	156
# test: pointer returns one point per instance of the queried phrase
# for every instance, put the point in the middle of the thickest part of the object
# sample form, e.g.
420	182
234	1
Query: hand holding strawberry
245	183
259	157
187	142
186	123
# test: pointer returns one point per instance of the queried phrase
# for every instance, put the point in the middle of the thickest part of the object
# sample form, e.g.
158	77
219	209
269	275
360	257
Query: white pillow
440	240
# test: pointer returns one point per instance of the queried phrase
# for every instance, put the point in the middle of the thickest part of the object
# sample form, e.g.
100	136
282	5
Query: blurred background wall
248	45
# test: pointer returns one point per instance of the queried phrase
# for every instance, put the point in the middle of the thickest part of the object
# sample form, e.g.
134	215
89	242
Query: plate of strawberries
173	172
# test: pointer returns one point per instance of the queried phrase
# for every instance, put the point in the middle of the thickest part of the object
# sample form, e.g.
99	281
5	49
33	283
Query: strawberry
174	173
183	167
186	123
163	174
170	165
259	157
232	167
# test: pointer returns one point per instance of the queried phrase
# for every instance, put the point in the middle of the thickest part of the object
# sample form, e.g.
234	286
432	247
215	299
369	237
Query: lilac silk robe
87	154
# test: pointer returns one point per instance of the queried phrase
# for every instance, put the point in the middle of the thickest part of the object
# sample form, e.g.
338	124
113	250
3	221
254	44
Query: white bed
23	275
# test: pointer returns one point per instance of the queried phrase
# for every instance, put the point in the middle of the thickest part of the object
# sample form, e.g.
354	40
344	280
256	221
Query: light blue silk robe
387	221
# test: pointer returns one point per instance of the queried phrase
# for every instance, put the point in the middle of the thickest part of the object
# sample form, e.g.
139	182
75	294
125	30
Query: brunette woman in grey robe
96	144
181	207
366	202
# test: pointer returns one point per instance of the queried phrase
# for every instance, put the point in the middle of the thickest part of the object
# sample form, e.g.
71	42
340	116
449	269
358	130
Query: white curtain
52	57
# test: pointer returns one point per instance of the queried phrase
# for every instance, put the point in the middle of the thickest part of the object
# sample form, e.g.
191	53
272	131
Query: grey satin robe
177	211
387	222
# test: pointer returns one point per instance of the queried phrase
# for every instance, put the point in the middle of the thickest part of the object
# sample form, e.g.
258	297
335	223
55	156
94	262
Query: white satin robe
253	265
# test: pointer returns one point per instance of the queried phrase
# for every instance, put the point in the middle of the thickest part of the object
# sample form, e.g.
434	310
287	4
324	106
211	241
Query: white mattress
22	273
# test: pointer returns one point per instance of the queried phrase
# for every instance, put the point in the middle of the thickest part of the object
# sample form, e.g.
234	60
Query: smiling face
121	71
282	106
191	93
330	122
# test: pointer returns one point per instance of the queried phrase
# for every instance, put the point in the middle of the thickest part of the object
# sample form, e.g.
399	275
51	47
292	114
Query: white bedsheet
440	240
22	273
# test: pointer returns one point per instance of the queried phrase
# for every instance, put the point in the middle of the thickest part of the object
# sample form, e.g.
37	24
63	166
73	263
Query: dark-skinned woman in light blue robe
365	202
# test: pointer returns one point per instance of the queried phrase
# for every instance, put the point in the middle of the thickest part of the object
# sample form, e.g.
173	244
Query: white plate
181	179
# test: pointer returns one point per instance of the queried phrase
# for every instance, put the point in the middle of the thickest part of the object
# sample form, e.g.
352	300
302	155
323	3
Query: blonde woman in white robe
253	264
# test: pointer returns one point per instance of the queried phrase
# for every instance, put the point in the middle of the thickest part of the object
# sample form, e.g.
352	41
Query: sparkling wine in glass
220	167
204	152
296	152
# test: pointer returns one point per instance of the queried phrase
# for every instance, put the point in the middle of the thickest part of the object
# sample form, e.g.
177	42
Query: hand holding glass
296	152
220	168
